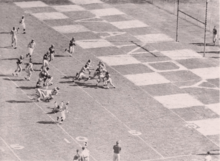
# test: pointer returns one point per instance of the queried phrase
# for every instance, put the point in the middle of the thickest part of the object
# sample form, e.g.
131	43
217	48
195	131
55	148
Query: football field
165	106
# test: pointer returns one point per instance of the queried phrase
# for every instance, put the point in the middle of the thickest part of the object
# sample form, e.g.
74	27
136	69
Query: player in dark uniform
19	68
45	59
51	52
214	35
77	156
117	150
71	46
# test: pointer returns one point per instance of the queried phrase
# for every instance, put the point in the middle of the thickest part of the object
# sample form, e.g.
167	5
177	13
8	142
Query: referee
117	150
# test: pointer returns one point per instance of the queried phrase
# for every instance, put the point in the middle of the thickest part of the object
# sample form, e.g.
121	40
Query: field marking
67	141
10	149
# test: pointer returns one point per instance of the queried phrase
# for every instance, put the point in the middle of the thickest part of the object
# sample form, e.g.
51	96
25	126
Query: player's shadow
68	77
61	56
47	122
202	44
9	59
37	63
14	101
211	153
26	88
13	79
3	32
66	82
86	85
6	47
6	75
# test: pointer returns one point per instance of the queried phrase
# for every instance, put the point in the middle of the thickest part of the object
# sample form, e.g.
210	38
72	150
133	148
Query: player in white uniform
14	33
31	47
84	154
23	24
46	94
29	70
108	80
62	116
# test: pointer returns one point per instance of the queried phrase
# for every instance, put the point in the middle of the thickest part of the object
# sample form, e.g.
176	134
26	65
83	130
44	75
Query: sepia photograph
109	80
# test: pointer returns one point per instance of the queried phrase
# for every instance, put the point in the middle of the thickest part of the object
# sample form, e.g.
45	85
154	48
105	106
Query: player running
44	73
62	116
29	70
19	68
23	24
71	47
46	94
14	33
31	47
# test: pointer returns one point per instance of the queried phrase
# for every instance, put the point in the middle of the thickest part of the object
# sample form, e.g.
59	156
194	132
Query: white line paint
67	141
10	149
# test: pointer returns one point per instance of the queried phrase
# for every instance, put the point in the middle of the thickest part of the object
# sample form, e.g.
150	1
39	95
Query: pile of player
101	74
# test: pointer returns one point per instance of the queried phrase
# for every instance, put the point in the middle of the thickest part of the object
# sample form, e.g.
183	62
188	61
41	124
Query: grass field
165	106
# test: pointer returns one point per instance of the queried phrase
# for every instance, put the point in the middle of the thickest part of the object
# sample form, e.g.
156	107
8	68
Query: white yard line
10	149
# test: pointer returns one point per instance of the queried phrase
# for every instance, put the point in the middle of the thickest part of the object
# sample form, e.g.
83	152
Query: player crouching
108	80
46	94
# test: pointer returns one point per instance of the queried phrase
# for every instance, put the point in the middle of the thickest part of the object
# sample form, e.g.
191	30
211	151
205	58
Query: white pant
116	157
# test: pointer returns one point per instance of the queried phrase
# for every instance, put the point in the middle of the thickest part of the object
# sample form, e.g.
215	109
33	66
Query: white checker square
50	15
86	1
94	43
153	38
181	54
106	12
31	4
178	101
71	29
147	79
129	24
119	60
215	108
68	8
208	127
207	73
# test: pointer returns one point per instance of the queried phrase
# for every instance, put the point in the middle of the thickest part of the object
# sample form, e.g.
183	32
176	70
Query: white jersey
208	158
85	154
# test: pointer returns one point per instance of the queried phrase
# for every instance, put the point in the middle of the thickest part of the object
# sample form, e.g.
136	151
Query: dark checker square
162	89
164	66
195	113
180	76
150	57
132	69
197	63
141	31
215	82
206	96
166	46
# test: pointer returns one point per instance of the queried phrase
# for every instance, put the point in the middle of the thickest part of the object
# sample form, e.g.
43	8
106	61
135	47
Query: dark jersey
117	149
19	61
72	42
76	157
214	31
45	57
51	50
